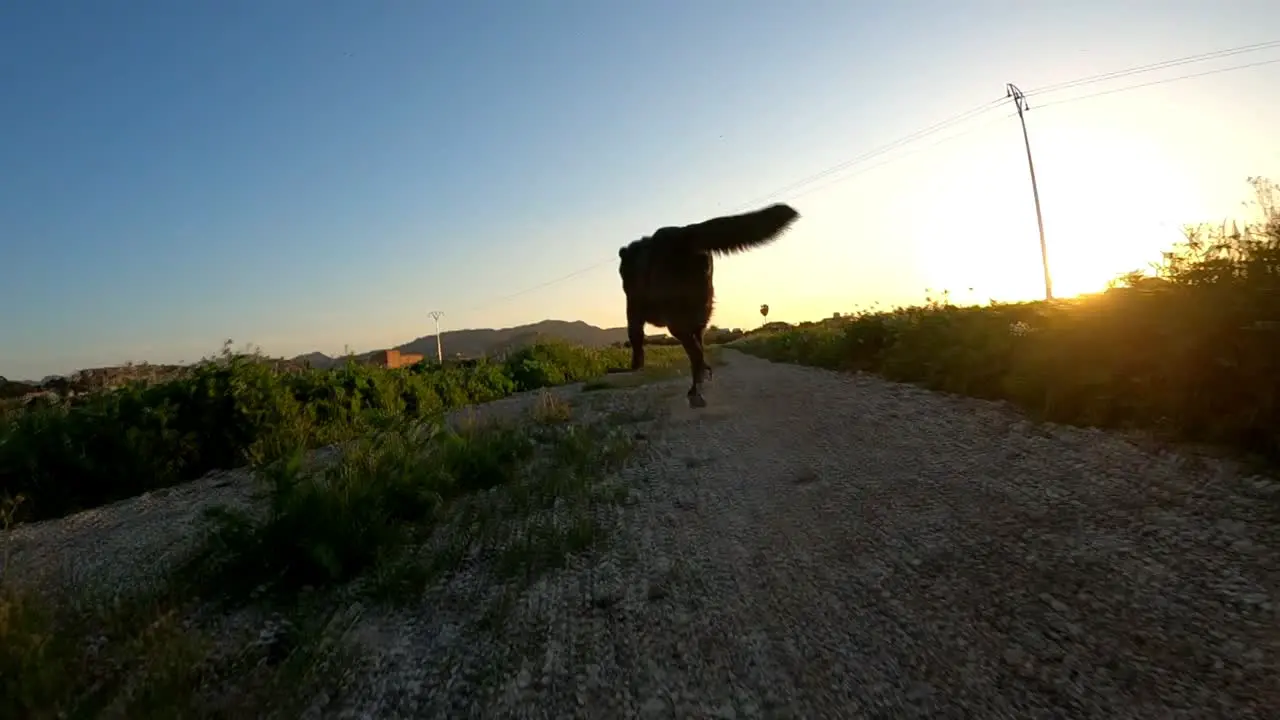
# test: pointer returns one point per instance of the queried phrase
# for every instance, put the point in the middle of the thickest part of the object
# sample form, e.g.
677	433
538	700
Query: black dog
667	278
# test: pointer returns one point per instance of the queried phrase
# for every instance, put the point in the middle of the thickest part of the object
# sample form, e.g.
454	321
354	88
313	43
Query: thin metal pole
435	315
1020	101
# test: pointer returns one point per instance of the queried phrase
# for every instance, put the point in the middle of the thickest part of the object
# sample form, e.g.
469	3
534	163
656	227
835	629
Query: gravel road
823	545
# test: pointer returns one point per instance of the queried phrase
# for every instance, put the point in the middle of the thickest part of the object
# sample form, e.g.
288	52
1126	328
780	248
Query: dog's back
667	280
667	276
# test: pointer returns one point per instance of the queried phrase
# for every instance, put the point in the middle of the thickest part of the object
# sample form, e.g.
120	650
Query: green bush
387	492
328	527
240	408
1190	352
397	510
551	364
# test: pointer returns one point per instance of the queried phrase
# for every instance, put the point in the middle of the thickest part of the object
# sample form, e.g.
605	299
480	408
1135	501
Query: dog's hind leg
706	364
635	335
697	364
702	352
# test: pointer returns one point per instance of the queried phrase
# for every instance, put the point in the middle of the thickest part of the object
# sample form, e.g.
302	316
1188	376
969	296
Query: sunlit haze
313	176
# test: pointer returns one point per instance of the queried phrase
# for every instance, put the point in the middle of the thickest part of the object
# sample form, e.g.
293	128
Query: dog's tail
738	233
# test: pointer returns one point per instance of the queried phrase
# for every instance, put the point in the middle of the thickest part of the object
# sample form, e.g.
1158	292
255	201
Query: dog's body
667	278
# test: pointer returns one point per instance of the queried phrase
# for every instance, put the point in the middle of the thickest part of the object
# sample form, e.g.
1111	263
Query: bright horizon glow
307	181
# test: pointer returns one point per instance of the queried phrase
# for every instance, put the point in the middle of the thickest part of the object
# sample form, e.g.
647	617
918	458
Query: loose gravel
824	545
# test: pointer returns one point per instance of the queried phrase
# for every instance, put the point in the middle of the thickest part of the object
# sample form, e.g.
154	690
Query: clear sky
311	175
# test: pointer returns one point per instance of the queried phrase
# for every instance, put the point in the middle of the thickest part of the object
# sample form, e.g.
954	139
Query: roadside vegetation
254	620
1189	352
62	456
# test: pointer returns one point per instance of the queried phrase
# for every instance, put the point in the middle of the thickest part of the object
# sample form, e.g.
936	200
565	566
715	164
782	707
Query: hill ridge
474	342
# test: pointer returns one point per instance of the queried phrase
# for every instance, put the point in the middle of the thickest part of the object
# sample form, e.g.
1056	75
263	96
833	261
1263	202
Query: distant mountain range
487	341
465	343
459	343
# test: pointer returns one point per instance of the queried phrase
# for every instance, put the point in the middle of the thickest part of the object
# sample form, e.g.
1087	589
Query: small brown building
394	359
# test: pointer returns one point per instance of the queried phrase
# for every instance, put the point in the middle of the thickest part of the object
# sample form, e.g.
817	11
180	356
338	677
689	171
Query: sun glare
1120	200
1113	200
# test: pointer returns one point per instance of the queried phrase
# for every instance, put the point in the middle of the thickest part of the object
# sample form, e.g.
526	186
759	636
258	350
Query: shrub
327	527
384	495
372	516
109	445
1189	352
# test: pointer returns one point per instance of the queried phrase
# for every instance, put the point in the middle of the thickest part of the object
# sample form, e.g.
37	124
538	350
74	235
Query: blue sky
308	176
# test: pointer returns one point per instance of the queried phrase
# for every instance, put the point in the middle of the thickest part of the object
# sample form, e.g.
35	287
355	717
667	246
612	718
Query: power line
1161	81
1151	67
1020	101
972	112
936	127
947	139
921	134
904	140
526	291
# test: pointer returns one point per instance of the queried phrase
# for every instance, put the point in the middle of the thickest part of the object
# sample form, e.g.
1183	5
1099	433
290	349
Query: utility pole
1020	101
435	315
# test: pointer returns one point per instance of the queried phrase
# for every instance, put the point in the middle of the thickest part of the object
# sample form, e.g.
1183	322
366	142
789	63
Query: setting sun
1120	198
1114	197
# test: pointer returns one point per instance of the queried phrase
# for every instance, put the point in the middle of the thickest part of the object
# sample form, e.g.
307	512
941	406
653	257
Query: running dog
667	278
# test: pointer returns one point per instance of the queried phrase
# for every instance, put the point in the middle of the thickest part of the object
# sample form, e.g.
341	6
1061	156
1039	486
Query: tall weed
1189	352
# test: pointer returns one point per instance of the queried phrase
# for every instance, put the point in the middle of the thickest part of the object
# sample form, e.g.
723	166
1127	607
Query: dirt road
819	545
822	545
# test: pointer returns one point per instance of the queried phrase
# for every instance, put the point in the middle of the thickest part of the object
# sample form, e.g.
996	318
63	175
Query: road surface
823	545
